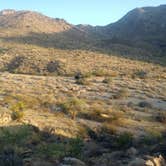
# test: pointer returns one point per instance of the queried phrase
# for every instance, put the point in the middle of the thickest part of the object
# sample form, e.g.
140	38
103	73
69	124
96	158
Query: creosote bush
18	111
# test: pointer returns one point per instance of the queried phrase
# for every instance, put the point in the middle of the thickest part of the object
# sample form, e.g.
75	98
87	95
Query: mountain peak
31	21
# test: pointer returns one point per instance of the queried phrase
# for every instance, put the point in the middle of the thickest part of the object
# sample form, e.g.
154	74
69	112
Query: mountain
30	27
31	21
141	31
140	28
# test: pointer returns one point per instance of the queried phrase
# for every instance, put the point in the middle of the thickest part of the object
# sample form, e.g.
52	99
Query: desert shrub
82	78
80	75
140	74
75	147
73	106
107	80
124	140
160	117
152	137
82	81
122	94
10	158
94	113
71	148
144	104
108	128
56	67
18	111
19	135
115	116
15	63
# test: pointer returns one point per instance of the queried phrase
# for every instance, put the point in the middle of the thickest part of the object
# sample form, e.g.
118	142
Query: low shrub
124	140
160	117
18	111
56	67
73	106
140	74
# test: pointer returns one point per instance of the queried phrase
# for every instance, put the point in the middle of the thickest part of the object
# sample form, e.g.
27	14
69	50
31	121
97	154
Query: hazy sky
95	12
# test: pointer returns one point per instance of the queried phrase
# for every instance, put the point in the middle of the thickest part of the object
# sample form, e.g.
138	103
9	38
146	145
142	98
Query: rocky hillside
66	100
143	28
31	21
29	27
142	31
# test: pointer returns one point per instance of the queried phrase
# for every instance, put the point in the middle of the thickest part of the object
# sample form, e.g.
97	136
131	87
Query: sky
94	12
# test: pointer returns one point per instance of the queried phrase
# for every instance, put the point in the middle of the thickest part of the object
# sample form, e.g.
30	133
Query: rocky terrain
66	99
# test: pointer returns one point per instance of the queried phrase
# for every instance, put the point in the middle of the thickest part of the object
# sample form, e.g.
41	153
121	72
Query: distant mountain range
141	31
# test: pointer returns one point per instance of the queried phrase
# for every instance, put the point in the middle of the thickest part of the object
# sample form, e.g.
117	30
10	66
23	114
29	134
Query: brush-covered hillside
78	95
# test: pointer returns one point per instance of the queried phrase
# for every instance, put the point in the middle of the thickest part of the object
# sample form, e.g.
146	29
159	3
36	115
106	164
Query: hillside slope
142	31
140	28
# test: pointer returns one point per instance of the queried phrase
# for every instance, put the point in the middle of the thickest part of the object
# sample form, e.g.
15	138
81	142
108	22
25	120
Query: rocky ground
73	107
131	110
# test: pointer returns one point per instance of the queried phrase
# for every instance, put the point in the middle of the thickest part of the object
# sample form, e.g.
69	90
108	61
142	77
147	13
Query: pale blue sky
94	12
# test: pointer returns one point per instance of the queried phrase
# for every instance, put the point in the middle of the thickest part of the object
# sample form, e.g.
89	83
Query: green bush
125	140
72	148
152	137
18	111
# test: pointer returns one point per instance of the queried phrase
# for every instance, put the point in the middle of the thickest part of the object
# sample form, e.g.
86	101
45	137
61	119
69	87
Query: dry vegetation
75	96
77	106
